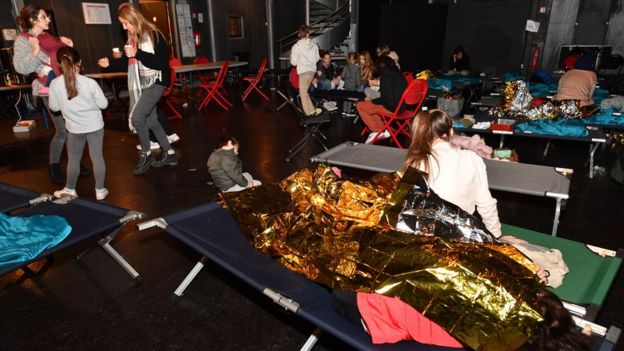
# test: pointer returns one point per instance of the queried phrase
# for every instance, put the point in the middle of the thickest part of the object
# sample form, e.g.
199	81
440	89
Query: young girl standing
80	100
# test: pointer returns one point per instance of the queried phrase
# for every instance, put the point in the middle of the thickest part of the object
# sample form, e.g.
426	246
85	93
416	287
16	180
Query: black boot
56	174
85	171
167	160
145	161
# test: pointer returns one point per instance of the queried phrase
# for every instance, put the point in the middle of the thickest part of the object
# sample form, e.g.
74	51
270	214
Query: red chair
204	78
398	122
213	90
167	95
253	82
409	77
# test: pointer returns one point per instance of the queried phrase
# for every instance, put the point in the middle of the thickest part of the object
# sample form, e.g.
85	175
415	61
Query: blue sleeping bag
24	238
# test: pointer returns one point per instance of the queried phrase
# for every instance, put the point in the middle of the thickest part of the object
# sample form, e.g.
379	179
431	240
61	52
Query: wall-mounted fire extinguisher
197	39
535	59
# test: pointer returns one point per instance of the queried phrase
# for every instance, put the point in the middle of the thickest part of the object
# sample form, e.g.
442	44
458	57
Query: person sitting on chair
459	62
326	77
391	87
579	83
226	169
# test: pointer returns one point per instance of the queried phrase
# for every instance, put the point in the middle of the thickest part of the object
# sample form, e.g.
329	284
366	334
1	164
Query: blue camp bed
212	232
87	218
12	198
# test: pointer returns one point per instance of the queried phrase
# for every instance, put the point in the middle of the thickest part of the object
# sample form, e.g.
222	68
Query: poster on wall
96	13
185	28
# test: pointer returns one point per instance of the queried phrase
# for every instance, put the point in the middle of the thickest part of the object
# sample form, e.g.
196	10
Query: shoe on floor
330	106
384	135
173	138
167	160
153	145
56	174
65	192
145	162
317	111
101	194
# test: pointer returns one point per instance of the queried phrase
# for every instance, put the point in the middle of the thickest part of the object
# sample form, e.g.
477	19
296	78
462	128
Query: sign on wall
96	13
185	28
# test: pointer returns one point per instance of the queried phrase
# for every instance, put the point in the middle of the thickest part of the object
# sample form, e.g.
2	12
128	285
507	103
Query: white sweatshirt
304	55
459	176
83	113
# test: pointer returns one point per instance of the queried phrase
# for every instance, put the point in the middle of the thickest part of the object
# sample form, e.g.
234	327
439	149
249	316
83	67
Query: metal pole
213	41
307	12
269	20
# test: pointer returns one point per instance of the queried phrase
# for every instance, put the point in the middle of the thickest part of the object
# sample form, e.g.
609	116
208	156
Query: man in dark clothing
459	61
326	73
391	87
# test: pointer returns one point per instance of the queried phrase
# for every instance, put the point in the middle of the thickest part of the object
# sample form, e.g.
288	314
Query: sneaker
173	138
153	146
65	192
384	135
167	160
348	114
330	106
44	91
145	162
56	174
101	194
317	111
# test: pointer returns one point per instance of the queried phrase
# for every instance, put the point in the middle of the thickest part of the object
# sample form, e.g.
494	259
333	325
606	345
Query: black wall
254	43
491	31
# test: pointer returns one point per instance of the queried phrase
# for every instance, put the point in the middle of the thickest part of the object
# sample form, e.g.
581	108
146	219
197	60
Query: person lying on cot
226	168
390	320
457	176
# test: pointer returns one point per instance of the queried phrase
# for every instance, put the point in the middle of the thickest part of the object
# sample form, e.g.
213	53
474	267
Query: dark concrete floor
92	304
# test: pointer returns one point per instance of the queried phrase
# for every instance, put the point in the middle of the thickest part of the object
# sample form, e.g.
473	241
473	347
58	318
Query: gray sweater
226	169
83	113
26	63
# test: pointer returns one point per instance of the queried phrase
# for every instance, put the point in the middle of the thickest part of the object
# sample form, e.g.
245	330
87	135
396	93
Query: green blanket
590	275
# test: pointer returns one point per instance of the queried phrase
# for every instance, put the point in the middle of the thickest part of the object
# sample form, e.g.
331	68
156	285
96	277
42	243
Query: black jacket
391	87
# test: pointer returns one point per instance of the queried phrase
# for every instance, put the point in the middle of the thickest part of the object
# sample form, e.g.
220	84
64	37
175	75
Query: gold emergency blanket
328	230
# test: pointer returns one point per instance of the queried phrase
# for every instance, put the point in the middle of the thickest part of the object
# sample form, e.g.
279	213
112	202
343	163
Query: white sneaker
65	192
153	145
173	138
317	111
330	106
370	137
101	194
384	135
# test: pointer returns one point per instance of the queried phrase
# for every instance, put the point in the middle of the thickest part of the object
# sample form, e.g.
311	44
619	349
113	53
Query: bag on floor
451	105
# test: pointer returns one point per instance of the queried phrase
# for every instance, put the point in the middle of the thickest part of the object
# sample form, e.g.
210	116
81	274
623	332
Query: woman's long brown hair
366	69
69	62
141	25
426	128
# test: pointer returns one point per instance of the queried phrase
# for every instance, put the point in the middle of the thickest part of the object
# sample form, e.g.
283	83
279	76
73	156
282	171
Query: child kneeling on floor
226	168
80	100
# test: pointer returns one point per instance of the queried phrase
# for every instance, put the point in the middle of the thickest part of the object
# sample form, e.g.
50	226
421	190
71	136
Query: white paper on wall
532	26
185	29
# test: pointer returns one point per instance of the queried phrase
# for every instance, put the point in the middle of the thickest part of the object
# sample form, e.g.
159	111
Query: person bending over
226	169
579	83
391	87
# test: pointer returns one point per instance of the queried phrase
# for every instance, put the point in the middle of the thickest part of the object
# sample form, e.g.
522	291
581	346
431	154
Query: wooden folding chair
398	122
213	90
253	82
167	95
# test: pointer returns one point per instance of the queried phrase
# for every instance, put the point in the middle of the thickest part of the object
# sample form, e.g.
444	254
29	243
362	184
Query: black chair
311	126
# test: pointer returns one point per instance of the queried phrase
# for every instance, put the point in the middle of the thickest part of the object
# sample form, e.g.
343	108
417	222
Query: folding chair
253	82
409	77
398	121
213	90
291	93
311	126
204	78
168	94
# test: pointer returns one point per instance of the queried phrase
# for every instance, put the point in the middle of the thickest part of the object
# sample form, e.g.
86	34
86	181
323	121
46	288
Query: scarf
139	76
